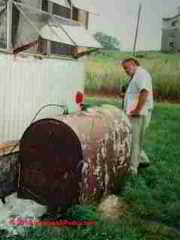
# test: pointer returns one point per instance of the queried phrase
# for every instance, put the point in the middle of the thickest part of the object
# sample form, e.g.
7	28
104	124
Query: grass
104	74
153	198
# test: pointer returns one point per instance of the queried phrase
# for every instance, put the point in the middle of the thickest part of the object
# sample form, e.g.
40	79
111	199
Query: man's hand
141	102
134	113
121	95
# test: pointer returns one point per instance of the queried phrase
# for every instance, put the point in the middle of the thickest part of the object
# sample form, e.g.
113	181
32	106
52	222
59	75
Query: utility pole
137	29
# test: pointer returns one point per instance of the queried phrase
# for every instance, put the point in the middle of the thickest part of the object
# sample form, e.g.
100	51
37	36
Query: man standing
138	104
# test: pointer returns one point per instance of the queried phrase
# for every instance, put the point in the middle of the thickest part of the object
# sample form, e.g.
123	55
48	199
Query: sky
118	18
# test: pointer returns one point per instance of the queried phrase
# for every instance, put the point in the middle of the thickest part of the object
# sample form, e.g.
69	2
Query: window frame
47	51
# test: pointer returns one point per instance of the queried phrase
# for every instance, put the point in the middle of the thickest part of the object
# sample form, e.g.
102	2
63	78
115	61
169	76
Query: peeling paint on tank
66	175
103	152
104	134
106	179
85	168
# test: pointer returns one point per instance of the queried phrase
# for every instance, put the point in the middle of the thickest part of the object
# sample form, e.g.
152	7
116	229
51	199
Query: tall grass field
105	75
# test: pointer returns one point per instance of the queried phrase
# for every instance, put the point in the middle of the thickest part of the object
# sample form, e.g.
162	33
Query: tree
107	41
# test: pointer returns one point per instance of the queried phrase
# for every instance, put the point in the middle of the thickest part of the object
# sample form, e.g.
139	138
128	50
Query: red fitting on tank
79	98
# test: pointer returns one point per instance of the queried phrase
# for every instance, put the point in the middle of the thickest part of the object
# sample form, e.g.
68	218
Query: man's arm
141	102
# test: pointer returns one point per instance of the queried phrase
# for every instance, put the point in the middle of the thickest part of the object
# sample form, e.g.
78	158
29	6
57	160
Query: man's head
130	65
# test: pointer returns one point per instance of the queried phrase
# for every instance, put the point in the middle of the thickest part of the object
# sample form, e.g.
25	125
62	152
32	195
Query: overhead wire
37	113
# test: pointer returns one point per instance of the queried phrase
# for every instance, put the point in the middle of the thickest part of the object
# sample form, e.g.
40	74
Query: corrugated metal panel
31	21
80	36
63	3
55	34
54	29
28	84
84	5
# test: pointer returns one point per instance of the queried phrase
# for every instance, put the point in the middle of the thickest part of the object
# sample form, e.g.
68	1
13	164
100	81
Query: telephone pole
137	29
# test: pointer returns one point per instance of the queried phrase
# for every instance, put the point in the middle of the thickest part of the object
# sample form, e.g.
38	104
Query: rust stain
85	155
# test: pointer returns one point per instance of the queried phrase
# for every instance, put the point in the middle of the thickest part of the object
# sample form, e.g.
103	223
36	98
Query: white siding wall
28	83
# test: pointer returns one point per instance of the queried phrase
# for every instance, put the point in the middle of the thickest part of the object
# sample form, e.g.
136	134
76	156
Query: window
75	14
174	23
35	31
80	16
61	11
85	5
15	21
171	44
56	48
45	5
62	49
56	9
3	27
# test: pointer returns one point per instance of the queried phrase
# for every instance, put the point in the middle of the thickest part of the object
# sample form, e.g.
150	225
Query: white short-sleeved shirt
141	80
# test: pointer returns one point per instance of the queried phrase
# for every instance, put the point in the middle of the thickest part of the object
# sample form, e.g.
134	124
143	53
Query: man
138	104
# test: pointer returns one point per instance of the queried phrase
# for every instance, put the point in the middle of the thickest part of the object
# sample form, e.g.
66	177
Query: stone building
171	33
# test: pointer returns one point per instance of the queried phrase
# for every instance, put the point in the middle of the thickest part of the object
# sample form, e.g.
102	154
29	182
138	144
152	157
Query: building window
55	47
174	23
61	11
75	14
45	5
171	46
80	16
39	32
62	49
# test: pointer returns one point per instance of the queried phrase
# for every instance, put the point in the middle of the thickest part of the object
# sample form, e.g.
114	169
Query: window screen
62	49
3	24
61	11
45	5
36	31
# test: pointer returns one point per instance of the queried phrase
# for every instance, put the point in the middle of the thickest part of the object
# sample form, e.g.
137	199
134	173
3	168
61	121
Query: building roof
171	18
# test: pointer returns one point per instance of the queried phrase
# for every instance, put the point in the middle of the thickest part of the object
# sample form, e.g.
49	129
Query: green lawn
153	197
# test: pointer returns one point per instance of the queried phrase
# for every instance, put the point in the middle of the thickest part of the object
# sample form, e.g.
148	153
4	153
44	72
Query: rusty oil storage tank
75	158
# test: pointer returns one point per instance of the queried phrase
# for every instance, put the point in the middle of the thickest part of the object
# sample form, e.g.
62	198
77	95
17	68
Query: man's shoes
144	165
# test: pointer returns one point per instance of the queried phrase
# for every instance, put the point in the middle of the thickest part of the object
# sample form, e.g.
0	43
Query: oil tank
75	158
